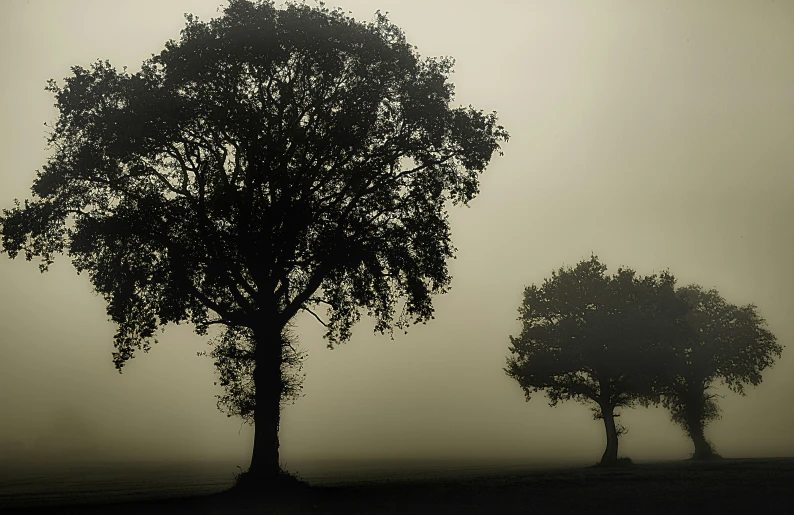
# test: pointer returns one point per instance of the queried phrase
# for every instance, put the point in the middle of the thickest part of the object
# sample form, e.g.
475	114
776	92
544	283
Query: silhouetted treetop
268	161
731	343
583	330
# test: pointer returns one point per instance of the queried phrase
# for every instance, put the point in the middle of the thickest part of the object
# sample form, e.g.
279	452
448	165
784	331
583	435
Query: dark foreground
726	486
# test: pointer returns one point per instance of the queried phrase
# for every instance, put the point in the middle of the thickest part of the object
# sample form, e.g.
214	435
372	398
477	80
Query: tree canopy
729	344
596	338
271	160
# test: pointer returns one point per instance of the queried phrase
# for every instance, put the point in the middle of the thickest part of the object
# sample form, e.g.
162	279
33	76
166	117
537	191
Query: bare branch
304	308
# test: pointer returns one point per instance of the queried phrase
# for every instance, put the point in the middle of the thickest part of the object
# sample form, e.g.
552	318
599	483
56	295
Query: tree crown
268	161
590	336
729	343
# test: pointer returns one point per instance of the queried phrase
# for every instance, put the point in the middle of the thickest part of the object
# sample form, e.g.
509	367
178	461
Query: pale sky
657	135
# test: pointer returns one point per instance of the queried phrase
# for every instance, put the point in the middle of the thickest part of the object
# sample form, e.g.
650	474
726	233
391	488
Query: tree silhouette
730	344
598	339
269	161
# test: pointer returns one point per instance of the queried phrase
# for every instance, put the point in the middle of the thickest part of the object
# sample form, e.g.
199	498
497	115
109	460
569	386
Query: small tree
730	345
269	162
594	338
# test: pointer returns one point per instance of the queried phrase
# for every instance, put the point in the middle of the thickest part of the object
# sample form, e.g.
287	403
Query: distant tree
595	338
269	161
729	344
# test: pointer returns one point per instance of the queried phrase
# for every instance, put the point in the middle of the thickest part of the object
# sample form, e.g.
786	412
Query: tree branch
304	308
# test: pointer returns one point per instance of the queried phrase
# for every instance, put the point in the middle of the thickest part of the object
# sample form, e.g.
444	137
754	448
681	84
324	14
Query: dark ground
725	486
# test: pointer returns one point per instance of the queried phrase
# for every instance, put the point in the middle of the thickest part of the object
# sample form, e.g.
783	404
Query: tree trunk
610	456
695	409
265	466
703	450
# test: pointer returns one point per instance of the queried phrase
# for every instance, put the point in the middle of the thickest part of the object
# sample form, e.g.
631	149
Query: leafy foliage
269	161
591	337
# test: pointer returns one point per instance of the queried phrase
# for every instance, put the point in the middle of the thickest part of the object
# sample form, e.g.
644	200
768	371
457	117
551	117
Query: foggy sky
657	135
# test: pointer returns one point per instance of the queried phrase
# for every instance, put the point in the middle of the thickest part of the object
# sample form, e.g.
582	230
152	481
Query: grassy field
726	486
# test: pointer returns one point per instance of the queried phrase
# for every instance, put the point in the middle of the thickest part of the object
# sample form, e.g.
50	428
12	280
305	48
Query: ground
725	486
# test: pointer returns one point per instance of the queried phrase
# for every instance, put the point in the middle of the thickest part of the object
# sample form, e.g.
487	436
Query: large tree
729	344
269	161
596	338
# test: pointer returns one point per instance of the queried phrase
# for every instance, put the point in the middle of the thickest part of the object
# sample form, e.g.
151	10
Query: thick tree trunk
610	456
695	409
703	450
265	465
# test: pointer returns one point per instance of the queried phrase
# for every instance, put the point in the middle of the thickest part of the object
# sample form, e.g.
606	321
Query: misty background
656	135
